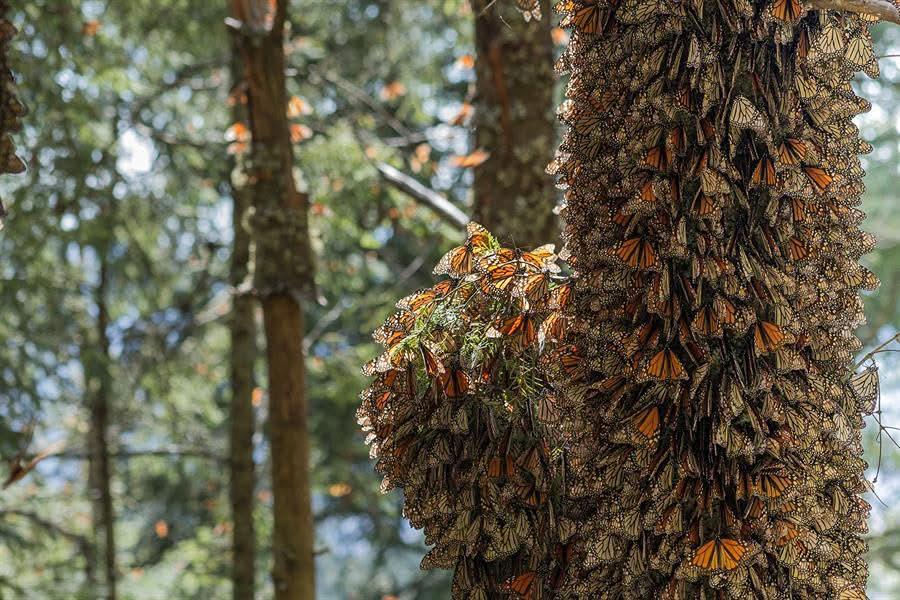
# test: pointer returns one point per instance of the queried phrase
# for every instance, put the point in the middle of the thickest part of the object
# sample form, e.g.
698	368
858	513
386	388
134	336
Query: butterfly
647	422
865	387
764	173
637	253
767	337
819	178
426	298
521	326
433	365
587	19
455	383
787	10
722	554
18	469
772	485
791	151
530	9
665	366
460	261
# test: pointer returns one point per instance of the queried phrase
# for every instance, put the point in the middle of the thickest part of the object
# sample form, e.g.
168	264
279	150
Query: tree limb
884	9
423	195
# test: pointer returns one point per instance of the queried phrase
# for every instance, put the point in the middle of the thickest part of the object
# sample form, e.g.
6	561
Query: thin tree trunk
96	364
514	123
242	422
282	273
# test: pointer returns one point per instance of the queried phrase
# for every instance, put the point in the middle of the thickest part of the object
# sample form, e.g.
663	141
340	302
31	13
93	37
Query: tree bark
514	123
282	273
96	364
241	416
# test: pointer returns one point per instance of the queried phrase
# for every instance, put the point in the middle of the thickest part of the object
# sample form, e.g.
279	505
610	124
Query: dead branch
883	9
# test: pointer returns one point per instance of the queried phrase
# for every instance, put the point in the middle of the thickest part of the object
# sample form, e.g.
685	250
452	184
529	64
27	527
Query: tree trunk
242	422
96	366
514	123
282	275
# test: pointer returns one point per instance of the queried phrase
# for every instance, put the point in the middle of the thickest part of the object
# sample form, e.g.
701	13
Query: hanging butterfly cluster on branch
460	407
11	109
696	409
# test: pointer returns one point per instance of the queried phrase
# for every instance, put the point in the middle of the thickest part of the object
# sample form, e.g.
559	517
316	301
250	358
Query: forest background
116	281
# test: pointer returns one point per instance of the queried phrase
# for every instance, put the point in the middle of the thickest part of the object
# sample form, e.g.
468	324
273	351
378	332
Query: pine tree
698	432
514	122
282	275
11	110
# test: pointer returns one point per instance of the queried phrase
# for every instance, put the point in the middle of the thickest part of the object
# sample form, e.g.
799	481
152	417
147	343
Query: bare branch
880	8
423	195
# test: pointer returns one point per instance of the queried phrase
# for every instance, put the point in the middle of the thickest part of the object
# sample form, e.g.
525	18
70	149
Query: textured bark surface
11	110
96	365
514	122
242	423
282	271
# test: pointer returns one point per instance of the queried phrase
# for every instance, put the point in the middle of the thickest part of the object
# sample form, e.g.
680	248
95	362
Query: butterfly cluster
460	412
712	182
11	109
680	418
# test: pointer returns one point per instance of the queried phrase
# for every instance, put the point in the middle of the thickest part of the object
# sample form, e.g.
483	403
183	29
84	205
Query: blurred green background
128	145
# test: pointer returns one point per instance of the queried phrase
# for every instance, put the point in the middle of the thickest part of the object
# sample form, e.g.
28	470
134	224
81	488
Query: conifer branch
882	9
423	195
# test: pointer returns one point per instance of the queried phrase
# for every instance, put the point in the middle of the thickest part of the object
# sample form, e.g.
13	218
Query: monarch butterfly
520	325
791	151
764	173
659	157
433	365
719	555
787	10
647	194
865	386
560	295
459	261
553	328
587	19
541	257
427	297
703	205
665	366
533	288
455	383
798	209
706	322
744	115
524	585
772	485
500	277
798	250
501	466
767	337
819	178
647	422
637	253
530	9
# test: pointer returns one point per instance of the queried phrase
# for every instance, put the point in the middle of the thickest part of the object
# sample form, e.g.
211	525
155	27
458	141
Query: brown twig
882	9
423	195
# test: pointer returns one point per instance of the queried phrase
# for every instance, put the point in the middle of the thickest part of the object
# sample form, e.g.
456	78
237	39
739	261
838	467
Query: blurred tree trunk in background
282	273
96	365
514	123
242	329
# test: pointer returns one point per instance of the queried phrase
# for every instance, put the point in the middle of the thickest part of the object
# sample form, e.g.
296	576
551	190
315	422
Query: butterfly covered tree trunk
282	276
11	110
242	325
514	121
713	178
682	418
